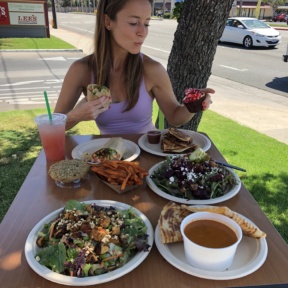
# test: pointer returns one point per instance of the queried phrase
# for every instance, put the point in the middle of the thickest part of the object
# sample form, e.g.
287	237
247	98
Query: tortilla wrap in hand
95	91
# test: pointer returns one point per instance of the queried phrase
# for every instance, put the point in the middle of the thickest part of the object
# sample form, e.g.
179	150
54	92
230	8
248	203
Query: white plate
132	149
202	141
31	248
250	255
229	194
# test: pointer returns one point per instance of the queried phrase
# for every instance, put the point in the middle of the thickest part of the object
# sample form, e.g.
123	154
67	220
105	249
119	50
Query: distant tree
275	3
199	29
177	9
65	3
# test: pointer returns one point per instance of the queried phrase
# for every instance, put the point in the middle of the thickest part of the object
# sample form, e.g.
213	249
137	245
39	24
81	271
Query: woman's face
130	28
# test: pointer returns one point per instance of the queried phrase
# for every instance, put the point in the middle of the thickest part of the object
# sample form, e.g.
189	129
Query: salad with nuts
88	240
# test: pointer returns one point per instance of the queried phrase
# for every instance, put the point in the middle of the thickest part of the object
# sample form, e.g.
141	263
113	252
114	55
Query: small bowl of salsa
210	240
154	136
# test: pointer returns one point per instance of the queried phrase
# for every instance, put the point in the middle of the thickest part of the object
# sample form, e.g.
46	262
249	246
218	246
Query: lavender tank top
135	121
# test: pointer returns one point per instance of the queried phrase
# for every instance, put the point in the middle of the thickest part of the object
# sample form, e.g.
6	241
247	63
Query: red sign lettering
27	19
4	15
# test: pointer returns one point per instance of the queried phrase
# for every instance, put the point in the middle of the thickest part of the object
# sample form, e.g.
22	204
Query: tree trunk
200	27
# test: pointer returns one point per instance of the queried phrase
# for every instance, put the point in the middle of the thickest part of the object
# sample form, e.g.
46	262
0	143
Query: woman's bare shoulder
81	64
154	72
151	64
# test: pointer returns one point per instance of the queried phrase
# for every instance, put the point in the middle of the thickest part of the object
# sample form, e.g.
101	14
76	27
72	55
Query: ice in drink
52	134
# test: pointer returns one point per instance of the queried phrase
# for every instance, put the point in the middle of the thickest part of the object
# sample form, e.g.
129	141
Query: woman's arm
159	85
74	84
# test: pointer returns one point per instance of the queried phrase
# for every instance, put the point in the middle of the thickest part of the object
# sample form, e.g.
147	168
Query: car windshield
252	24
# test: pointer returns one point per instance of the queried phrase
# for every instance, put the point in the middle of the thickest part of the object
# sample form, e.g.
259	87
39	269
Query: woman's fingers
208	90
98	106
207	102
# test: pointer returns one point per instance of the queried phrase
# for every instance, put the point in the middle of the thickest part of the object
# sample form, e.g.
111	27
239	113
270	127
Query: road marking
28	102
18	94
79	29
21	83
52	81
156	49
32	88
233	68
53	59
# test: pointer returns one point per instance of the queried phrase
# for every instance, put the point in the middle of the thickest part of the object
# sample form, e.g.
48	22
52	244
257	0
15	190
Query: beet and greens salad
88	240
193	176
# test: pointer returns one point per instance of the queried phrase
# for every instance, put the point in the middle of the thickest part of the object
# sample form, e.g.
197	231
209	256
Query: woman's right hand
89	110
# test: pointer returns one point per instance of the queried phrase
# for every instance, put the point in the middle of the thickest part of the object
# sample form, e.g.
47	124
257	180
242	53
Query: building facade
239	8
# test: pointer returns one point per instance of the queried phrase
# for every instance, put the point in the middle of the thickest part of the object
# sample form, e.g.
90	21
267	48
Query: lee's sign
18	18
19	13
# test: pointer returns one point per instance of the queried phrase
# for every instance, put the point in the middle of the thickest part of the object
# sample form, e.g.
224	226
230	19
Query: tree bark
200	27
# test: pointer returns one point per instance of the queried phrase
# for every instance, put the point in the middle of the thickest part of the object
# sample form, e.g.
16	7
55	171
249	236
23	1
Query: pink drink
52	134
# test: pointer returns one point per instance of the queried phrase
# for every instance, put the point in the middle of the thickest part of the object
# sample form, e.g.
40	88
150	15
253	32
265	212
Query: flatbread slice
170	143
169	222
247	227
180	135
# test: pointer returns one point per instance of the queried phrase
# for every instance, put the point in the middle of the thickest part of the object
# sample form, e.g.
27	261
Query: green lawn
34	43
265	159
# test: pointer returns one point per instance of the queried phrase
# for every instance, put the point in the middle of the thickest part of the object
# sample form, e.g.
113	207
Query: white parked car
250	32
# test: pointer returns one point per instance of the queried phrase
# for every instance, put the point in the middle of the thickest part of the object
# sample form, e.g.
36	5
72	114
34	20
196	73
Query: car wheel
248	42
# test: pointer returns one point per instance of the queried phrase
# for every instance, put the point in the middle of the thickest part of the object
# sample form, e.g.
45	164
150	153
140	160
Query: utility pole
234	5
54	15
240	9
257	12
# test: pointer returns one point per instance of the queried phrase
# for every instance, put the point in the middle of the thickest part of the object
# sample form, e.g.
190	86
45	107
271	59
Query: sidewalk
257	109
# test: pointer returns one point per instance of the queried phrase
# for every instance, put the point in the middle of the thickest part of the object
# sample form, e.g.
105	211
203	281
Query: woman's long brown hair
102	56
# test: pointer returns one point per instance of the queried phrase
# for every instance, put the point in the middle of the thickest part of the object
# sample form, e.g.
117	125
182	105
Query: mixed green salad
193	176
88	240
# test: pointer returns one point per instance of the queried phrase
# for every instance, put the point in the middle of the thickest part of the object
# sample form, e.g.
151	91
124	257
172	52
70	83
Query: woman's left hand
206	103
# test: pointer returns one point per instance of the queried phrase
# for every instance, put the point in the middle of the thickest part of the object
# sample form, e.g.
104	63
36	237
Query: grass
264	158
34	43
277	24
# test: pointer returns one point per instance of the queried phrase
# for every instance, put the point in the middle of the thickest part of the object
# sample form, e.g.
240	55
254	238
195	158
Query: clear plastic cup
52	134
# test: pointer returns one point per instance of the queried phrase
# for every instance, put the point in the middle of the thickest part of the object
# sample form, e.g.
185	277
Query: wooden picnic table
39	196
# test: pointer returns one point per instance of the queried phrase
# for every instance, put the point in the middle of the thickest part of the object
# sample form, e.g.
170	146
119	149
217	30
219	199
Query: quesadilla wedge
247	227
176	141
169	222
180	135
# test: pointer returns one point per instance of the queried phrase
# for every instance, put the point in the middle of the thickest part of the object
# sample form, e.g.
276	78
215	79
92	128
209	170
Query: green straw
48	106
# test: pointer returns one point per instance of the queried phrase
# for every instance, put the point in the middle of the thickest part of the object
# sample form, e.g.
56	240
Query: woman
134	79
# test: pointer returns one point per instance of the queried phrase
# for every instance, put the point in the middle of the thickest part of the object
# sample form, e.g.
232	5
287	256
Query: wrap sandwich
95	91
113	149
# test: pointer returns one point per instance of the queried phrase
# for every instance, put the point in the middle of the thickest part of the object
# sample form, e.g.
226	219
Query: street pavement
257	109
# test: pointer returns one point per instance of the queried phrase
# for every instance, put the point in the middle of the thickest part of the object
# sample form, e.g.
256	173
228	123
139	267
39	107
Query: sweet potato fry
116	172
123	173
124	183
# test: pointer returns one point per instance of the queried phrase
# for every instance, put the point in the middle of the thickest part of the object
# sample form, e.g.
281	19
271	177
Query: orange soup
209	233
